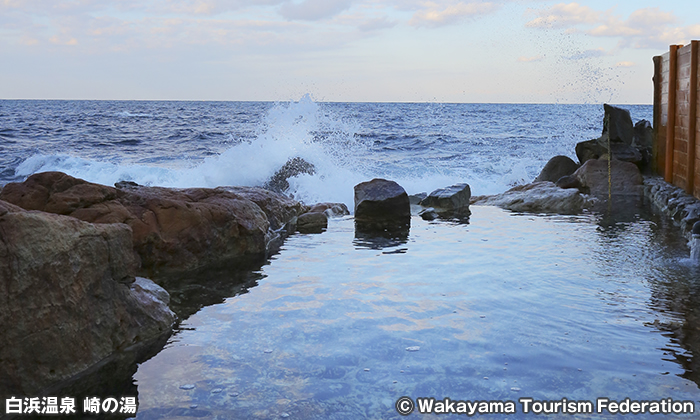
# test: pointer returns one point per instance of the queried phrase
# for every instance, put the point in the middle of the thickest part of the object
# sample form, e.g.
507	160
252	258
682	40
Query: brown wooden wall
676	152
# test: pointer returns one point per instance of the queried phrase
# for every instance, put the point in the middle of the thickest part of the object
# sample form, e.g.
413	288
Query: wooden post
671	123
692	124
657	159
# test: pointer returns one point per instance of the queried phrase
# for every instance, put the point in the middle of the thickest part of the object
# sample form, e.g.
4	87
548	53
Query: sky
499	51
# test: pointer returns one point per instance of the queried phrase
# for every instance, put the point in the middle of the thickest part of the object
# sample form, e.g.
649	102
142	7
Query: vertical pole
657	157
671	124
692	114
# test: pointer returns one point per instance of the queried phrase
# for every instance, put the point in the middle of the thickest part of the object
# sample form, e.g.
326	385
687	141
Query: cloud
625	64
530	59
648	27
376	24
564	15
435	14
314	9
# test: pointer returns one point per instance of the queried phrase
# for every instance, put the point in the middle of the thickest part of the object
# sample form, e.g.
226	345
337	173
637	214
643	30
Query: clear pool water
505	307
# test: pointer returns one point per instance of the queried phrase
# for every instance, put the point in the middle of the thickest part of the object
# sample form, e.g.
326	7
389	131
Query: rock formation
181	229
454	198
69	297
538	197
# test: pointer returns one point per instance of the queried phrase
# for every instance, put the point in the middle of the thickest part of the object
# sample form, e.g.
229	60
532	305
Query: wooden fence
676	151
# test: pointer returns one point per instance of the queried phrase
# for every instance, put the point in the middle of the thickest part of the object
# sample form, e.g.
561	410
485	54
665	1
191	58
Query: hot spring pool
506	307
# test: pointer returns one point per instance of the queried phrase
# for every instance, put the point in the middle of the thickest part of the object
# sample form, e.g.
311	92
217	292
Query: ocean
503	308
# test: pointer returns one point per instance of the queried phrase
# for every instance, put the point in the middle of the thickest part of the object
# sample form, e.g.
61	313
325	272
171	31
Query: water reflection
543	306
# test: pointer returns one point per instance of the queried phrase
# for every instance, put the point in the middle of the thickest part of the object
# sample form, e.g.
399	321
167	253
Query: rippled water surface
507	306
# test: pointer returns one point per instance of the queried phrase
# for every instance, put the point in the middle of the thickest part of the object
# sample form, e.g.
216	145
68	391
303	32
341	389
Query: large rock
450	199
618	135
69	298
380	204
617	125
538	197
625	177
557	167
181	229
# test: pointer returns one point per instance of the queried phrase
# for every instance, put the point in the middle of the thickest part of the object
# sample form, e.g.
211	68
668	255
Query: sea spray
421	146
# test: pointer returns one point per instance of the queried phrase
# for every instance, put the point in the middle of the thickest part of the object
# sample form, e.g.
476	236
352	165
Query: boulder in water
330	209
381	204
312	222
454	198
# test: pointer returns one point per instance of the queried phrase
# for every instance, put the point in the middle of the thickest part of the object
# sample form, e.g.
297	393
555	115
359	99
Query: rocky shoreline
74	255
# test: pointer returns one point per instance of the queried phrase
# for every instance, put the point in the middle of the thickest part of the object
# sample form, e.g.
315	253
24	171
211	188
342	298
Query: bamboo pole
671	122
692	124
657	149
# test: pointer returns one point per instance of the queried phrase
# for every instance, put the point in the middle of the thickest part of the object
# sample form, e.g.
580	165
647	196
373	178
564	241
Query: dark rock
70	299
295	166
643	134
380	204
428	214
331	209
182	229
122	185
593	149
590	149
312	222
625	177
569	181
557	167
617	126
453	198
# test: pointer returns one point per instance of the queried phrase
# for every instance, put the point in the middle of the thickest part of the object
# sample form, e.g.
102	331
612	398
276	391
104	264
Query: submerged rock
70	299
380	204
312	222
538	197
331	209
557	167
177	229
279	182
428	214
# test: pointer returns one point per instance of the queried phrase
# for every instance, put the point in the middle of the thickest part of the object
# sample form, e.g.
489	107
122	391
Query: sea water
501	307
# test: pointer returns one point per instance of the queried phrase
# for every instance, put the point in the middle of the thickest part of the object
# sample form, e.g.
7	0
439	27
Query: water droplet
284	415
268	350
366	369
413	348
193	406
515	388
187	386
216	390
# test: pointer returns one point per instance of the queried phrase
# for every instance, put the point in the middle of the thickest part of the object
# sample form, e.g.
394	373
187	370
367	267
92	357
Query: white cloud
435	14
376	24
564	15
314	9
649	27
625	64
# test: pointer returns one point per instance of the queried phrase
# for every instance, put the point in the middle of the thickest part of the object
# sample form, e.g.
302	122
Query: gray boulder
538	197
381	203
428	214
557	167
450	199
330	209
